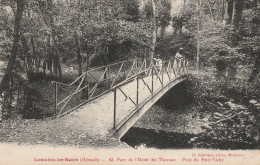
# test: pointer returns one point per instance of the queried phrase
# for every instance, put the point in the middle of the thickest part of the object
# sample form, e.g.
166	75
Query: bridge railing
92	84
146	83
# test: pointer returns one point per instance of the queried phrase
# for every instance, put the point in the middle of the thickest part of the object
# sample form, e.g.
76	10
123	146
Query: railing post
187	70
115	108
87	92
124	71
85	89
178	70
182	68
108	75
152	80
137	92
170	70
56	97
137	65
162	76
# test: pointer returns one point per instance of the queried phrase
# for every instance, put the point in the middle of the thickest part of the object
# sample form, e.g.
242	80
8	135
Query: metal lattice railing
99	81
135	90
92	84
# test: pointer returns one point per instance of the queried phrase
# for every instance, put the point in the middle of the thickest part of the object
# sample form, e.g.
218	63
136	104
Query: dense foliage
56	34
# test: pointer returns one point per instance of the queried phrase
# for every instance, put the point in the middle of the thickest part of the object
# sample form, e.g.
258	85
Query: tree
233	12
198	42
27	56
228	11
130	10
151	12
154	30
164	15
47	12
256	68
237	12
17	27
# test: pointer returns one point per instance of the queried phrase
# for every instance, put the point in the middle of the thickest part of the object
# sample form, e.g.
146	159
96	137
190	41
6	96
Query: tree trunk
44	65
17	25
85	91
55	65
27	56
56	57
163	27
49	54
77	40
210	9
256	69
180	29
228	11
154	31
223	10
198	42
35	56
237	12
11	94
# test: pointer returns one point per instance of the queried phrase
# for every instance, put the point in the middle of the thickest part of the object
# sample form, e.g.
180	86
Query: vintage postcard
129	82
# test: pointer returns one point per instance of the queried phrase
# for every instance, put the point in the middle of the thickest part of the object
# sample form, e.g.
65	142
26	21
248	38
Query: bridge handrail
132	77
111	75
170	67
143	71
91	70
97	68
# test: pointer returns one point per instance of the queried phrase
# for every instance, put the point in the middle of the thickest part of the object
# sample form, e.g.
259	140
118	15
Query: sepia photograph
129	82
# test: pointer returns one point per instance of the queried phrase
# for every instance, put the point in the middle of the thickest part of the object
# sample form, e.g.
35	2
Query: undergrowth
208	86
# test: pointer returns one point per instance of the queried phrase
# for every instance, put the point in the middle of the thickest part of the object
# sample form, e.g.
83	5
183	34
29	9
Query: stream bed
149	138
185	126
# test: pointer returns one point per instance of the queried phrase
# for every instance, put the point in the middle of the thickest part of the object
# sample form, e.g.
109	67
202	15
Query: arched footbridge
112	98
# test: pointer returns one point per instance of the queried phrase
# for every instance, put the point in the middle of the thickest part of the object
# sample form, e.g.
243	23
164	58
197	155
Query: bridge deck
97	117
